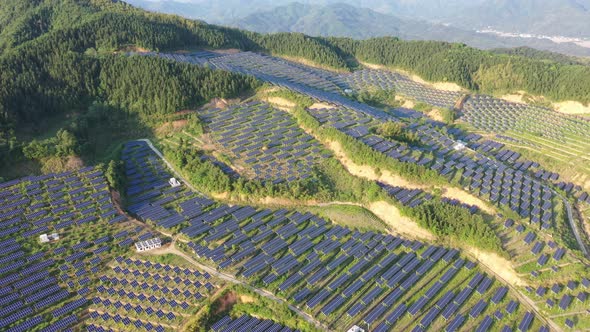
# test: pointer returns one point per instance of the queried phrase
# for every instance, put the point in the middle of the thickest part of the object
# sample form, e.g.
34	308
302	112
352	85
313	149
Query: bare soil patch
446	86
466	198
226	302
514	97
435	115
404	225
281	103
246	299
391	179
177	124
74	162
169	126
498	265
571	107
317	106
406	103
216	103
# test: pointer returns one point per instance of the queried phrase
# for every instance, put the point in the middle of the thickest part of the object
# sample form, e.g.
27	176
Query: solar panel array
45	284
316	83
133	294
248	323
493	173
367	79
266	140
261	65
564	300
332	271
312	82
497	115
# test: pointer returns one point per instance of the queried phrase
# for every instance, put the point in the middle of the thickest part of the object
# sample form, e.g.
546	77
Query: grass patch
352	216
238	300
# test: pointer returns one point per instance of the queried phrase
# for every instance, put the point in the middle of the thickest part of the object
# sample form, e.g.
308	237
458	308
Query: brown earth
572	107
445	86
391	179
226	302
316	106
281	102
435	115
499	265
404	225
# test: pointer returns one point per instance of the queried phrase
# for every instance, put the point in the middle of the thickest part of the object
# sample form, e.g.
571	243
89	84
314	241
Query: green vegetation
377	97
548	56
300	100
238	300
471	68
115	175
448	116
455	222
352	216
361	154
396	131
328	182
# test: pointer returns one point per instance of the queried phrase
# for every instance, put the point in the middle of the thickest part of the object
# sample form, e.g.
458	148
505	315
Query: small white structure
459	145
44	238
148	244
173	182
356	328
348	91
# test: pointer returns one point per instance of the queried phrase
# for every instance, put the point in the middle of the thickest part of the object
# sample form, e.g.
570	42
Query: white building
44	238
356	328
148	244
173	182
459	146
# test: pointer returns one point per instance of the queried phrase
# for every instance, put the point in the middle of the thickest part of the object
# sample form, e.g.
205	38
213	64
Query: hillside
62	66
344	20
165	174
540	17
543	55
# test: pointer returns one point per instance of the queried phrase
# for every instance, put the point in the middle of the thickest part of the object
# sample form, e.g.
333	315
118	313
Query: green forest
477	70
61	68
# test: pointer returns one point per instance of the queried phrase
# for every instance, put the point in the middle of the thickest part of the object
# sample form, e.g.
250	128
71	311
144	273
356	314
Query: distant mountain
338	20
541	17
212	11
342	20
543	55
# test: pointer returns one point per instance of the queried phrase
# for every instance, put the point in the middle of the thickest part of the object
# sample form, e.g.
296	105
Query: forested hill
50	61
54	51
478	70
